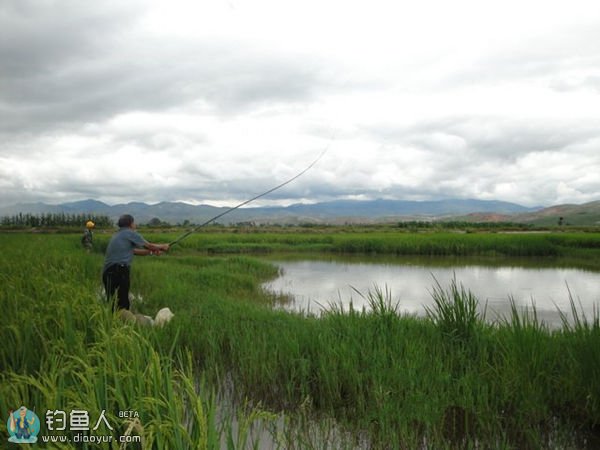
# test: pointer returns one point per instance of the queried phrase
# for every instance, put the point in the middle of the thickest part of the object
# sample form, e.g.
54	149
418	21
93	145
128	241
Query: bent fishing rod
279	186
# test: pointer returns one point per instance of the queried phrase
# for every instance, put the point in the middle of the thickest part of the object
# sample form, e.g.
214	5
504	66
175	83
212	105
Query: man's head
125	221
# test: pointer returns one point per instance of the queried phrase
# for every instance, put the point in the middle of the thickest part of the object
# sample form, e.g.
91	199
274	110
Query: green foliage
463	225
64	350
455	311
391	241
48	220
230	362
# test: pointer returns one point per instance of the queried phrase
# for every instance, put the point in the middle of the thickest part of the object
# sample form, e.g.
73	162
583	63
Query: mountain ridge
337	211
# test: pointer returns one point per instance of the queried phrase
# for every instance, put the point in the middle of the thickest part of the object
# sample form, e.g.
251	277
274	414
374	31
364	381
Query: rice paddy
231	372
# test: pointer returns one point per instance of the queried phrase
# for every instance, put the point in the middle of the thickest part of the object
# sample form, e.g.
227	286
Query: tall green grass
449	379
64	350
391	241
349	379
455	311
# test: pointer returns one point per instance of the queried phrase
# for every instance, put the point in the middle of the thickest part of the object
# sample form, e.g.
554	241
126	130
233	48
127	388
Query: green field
230	372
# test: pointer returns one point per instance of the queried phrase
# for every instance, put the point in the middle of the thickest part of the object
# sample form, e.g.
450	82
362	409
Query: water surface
315	283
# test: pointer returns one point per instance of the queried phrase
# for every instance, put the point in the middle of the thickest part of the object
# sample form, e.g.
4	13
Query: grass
65	351
455	311
390	241
230	372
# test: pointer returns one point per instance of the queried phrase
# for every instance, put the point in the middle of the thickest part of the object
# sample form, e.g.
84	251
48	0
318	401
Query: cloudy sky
215	101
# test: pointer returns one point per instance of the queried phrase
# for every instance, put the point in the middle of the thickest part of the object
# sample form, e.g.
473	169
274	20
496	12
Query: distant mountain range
335	212
584	214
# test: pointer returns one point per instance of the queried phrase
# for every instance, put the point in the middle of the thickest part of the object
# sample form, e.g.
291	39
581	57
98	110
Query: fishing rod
279	186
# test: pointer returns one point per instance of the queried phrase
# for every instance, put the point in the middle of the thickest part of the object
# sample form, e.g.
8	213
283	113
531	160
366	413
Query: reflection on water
314	284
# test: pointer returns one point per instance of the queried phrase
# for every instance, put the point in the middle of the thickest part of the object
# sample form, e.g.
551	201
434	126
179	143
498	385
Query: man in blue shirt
119	255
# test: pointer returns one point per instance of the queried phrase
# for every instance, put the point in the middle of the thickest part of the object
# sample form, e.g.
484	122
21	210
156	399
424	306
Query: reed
389	241
455	311
64	350
231	372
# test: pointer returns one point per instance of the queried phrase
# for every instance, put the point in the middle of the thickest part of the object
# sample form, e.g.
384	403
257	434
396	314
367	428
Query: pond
315	283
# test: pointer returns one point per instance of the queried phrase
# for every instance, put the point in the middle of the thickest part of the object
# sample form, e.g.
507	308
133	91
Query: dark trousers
116	279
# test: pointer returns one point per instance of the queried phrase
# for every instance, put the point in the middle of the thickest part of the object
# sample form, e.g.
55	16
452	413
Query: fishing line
279	186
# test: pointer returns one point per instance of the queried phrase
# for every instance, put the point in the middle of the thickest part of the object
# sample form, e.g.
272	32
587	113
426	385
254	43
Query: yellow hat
89	224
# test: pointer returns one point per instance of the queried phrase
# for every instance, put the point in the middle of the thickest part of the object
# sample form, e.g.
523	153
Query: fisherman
119	255
88	237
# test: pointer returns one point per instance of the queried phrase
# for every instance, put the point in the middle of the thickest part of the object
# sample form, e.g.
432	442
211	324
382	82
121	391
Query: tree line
55	220
460	224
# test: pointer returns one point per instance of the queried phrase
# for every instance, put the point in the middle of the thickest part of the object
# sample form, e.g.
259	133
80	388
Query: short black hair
125	220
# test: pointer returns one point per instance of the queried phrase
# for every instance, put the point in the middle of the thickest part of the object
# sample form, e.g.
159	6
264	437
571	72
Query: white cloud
216	101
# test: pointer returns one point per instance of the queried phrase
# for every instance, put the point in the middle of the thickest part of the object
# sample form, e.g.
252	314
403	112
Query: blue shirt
121	245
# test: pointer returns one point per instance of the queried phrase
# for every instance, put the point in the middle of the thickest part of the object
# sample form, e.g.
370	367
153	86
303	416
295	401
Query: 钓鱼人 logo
23	426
